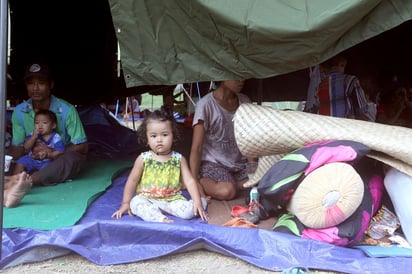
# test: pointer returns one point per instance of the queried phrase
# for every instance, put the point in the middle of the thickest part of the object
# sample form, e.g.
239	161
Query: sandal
246	213
250	216
237	210
240	222
258	210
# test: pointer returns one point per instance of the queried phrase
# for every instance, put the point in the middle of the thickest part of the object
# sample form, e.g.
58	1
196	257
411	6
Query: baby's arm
41	151
191	186
130	188
31	141
58	148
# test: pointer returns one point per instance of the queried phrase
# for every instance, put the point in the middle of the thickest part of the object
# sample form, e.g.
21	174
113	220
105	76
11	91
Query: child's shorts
31	165
221	173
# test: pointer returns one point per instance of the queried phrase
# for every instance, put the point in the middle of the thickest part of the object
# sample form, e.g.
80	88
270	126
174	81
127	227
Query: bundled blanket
326	191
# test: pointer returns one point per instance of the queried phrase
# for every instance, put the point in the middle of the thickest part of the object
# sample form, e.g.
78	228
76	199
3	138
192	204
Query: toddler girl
155	182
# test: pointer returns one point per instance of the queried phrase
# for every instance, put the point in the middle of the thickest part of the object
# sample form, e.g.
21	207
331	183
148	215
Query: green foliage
151	102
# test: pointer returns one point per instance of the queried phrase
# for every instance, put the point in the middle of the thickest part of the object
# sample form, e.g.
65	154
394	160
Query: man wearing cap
39	83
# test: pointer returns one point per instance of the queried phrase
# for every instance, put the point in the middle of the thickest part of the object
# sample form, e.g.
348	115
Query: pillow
347	233
350	231
280	182
327	196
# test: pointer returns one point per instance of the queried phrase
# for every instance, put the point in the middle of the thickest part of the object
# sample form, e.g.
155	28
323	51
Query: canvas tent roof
176	41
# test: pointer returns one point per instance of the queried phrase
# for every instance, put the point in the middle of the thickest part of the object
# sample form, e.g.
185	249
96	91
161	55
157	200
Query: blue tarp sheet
106	241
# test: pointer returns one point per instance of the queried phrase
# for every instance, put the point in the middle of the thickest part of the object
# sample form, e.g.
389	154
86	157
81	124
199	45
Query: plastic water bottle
254	194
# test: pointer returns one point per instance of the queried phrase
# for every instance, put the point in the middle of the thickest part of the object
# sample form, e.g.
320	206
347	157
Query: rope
187	94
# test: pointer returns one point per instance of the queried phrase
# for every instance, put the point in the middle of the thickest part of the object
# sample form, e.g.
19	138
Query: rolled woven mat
265	163
262	131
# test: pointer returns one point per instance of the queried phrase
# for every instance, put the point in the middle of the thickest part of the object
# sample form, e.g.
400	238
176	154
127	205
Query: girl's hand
119	213
199	211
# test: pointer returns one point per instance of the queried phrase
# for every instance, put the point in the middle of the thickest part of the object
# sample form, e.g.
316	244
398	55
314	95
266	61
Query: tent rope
188	95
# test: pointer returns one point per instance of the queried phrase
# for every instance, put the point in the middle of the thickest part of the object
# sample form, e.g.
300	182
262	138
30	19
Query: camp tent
186	41
189	41
176	41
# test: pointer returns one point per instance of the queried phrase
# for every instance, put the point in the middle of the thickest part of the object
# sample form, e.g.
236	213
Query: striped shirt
340	95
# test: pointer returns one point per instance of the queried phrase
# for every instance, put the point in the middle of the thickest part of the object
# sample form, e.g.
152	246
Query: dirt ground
199	261
192	262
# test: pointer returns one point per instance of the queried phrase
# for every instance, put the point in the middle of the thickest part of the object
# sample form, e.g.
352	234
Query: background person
338	94
133	105
395	108
214	157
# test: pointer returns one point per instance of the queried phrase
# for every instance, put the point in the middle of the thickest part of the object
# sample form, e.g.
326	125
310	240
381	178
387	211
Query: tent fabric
106	241
107	138
175	41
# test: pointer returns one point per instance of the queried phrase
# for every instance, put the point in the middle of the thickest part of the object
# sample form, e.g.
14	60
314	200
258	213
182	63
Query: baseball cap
38	70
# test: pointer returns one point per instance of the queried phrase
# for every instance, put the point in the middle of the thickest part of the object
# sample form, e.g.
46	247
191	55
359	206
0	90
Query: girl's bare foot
207	198
167	220
20	185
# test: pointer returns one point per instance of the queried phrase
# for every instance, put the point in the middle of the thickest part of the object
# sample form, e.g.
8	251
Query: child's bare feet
18	186
167	220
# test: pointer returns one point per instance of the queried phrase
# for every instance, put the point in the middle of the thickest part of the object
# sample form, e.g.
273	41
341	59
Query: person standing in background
338	94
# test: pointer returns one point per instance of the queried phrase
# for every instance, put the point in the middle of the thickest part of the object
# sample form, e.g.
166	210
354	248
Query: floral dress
161	180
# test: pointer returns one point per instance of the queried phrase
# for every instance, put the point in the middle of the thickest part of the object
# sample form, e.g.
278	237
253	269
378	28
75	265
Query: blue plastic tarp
106	241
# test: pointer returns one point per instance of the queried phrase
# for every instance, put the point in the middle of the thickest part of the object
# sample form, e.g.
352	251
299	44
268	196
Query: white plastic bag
399	187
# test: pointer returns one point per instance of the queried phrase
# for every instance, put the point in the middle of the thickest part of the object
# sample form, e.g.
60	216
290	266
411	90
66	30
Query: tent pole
131	111
260	92
3	86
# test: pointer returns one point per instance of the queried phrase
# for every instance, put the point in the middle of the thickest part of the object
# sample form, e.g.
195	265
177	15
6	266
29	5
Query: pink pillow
327	196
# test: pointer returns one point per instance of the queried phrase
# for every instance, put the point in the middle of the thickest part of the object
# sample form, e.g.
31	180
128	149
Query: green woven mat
62	205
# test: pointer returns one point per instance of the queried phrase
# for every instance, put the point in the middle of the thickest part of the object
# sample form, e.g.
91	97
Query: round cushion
327	196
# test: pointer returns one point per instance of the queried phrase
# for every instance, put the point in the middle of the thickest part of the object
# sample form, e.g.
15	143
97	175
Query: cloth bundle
323	191
282	180
346	233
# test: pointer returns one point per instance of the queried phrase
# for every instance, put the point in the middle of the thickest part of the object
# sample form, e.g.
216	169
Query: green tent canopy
177	41
164	43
